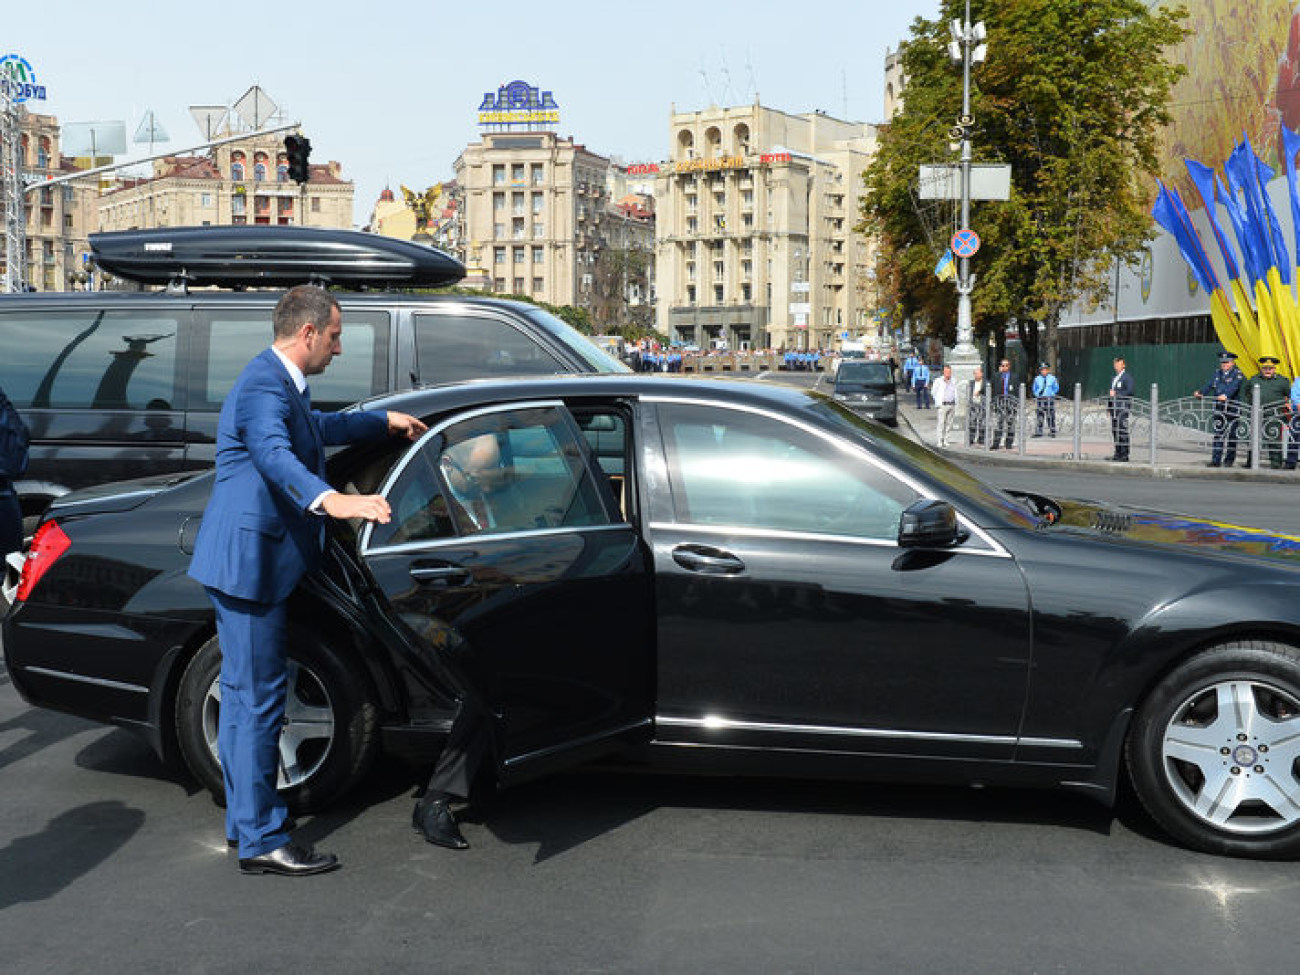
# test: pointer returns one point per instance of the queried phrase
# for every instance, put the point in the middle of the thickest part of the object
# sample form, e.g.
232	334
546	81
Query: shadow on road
38	866
43	728
124	753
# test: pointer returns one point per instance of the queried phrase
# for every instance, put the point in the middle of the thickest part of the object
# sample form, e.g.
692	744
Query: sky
391	88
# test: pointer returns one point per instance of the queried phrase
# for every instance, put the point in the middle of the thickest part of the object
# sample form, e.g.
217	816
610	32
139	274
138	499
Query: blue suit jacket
258	538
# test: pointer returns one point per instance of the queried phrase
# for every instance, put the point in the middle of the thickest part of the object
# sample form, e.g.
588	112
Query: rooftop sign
518	105
18	78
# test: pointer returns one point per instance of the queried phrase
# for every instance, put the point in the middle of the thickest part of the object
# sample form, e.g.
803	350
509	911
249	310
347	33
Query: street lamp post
967	48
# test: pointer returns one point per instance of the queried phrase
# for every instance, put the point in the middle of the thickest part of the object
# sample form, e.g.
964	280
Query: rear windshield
863	372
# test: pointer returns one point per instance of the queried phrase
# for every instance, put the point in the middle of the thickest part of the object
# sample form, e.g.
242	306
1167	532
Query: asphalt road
111	863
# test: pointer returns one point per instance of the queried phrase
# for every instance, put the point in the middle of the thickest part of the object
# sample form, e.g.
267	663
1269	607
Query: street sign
988	181
965	243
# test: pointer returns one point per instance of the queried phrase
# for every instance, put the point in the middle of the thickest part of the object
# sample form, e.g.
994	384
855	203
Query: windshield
595	359
960	482
864	372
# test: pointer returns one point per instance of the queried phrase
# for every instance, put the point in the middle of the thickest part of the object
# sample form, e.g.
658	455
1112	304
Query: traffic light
298	148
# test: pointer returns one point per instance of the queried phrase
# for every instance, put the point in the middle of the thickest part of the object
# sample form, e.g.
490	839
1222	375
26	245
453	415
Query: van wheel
1214	751
329	737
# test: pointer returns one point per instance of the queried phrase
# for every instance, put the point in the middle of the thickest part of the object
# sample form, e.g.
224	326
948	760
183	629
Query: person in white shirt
944	392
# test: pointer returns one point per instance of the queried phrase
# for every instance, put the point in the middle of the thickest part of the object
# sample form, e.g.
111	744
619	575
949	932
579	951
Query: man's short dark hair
302	304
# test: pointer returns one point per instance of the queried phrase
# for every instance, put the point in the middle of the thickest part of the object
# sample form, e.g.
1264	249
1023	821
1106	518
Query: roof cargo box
270	257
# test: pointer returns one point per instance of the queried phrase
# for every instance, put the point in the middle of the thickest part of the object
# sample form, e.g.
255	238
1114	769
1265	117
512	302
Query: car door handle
714	561
446	575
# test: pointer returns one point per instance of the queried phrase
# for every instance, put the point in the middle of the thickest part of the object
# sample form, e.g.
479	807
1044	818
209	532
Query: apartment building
755	248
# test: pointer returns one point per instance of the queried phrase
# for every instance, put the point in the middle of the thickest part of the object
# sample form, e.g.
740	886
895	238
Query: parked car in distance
719	575
867	387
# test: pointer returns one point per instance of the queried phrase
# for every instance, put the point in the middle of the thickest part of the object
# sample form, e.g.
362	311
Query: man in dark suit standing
1006	405
263	530
1120	405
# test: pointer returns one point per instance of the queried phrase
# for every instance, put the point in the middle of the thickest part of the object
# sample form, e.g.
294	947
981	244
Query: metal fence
1159	432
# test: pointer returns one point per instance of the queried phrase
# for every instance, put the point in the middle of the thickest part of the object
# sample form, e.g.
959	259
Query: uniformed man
1045	388
1223	389
1274	393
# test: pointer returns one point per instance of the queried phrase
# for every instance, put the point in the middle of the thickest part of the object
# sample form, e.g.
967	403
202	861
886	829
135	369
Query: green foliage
1073	96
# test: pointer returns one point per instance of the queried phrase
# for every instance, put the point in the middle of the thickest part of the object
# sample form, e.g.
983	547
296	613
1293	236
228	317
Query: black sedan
713	575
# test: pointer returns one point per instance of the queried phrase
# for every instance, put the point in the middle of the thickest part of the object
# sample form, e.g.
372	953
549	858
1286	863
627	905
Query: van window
229	338
89	359
453	347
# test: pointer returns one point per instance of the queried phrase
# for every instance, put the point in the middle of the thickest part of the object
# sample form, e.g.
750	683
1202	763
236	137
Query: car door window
449	348
496	473
739	469
229	338
91	360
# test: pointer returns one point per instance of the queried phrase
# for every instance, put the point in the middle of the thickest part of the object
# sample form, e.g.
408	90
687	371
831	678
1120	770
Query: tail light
48	544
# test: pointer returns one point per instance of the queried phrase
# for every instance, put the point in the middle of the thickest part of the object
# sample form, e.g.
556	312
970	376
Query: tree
1073	96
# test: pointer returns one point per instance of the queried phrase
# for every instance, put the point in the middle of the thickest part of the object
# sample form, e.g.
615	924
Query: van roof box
272	256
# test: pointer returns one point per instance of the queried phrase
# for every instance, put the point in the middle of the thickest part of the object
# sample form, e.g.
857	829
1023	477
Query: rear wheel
329	735
1214	752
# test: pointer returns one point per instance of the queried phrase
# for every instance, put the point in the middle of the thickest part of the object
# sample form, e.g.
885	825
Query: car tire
1214	751
331	725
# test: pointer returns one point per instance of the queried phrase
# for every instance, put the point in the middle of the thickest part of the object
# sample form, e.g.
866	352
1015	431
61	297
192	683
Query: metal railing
1159	432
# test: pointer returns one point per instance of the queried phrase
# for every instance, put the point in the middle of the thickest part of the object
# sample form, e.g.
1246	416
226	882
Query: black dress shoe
289	860
435	822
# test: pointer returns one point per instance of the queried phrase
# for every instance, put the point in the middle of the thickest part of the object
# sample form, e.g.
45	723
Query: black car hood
1182	532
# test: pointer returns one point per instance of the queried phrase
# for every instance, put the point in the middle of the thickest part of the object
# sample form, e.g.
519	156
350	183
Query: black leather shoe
435	822
290	860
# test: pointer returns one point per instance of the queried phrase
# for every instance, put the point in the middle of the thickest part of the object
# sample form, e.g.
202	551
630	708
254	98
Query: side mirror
928	523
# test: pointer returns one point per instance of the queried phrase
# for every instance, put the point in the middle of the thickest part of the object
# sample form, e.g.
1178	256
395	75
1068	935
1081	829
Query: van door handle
711	561
441	575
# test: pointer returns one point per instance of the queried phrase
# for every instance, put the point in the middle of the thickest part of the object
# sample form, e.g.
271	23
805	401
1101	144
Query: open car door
508	560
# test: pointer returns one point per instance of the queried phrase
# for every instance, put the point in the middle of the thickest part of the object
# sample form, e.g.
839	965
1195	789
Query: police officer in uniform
1274	392
1223	389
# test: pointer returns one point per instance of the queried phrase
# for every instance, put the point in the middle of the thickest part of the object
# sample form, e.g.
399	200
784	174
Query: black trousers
468	743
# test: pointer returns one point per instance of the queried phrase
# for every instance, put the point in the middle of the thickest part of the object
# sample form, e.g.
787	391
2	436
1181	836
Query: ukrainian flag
946	269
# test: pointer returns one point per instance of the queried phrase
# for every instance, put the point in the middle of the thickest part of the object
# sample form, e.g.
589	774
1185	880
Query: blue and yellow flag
946	269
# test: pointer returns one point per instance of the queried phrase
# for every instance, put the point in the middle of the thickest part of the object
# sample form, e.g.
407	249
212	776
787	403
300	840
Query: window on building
517	172
259	172
519	286
690	294
205	199
538	286
539	174
690	270
498	203
692	224
498	230
498	255
717	294
539	231
537	203
315	204
499	285
517	204
498	175
539	255
517	228
282	168
746	293
519	255
586	283
239	204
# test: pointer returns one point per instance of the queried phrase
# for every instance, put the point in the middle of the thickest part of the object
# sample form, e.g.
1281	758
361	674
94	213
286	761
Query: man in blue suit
263	530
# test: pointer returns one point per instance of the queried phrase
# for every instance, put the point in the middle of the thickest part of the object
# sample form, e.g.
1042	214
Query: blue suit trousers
254	678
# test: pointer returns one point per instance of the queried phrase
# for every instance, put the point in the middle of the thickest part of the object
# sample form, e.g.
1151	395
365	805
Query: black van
867	387
116	385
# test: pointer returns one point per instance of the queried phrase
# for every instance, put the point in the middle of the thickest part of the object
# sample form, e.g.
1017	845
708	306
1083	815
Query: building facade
243	182
755	245
534	206
59	219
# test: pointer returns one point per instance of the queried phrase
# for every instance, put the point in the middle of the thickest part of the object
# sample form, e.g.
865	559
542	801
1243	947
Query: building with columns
755	247
244	182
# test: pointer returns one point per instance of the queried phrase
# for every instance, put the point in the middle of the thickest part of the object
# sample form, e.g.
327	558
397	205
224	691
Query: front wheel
329	735
1214	752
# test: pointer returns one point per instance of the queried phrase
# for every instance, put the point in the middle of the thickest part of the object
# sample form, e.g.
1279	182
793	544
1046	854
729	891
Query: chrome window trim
116	685
860	453
713	722
418	446
460	541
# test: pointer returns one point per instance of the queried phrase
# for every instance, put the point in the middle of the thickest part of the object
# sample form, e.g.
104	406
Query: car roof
257	297
452	396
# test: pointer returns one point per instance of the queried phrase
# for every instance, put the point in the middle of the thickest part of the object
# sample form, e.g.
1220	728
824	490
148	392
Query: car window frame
614	518
978	542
